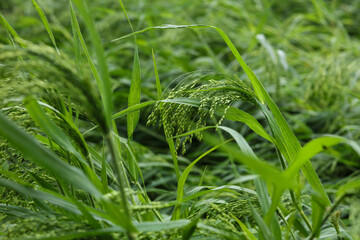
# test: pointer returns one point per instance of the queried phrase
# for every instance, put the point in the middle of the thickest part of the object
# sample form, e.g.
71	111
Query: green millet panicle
211	95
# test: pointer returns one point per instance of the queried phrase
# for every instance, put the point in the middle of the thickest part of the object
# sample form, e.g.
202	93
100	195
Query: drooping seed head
208	95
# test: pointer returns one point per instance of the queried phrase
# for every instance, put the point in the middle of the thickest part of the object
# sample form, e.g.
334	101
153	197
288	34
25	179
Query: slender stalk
299	209
57	181
286	223
71	187
128	185
292	195
329	214
146	197
120	175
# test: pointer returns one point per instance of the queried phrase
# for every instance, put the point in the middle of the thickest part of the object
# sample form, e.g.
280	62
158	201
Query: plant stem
292	195
120	175
299	209
329	214
286	223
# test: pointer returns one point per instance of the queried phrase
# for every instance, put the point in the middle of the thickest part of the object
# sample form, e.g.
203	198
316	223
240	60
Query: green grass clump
269	137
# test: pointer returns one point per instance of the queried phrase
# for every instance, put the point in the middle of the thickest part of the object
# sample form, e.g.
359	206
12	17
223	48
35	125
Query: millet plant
58	183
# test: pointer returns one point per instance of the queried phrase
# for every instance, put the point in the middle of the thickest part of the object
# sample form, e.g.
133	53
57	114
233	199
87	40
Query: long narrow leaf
46	24
106	88
56	133
158	84
134	95
31	149
265	170
232	113
183	177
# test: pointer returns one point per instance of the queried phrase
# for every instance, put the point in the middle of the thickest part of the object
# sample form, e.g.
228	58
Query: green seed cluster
37	69
209	97
240	208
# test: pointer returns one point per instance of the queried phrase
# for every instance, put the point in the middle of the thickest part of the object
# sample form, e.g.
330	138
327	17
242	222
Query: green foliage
269	137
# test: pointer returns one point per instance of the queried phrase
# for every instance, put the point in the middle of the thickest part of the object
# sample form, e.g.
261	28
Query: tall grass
72	166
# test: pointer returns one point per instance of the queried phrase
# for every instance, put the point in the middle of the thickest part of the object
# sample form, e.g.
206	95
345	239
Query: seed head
208	96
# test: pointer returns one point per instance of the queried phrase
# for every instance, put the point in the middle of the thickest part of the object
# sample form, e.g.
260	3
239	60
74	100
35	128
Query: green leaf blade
46	24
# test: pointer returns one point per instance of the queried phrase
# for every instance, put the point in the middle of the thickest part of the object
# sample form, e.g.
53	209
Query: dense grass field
222	119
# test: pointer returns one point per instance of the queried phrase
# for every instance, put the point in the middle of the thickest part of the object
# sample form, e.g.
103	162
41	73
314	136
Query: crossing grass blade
49	127
260	185
56	133
11	31
32	150
248	234
265	232
318	206
105	96
46	24
104	81
265	170
314	147
52	198
265	203
125	112
231	113
93	68
182	180
132	109
133	166
350	187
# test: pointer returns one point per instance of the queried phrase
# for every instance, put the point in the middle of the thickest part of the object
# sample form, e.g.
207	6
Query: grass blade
314	147
134	95
265	203
158	84
46	24
182	180
106	92
125	112
265	170
11	30
93	68
160	226
56	133
20	212
32	150
102	233
318	206
232	113
349	188
260	186
132	109
52	198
